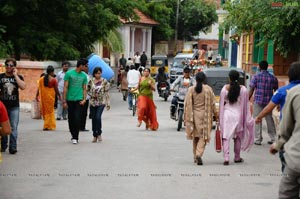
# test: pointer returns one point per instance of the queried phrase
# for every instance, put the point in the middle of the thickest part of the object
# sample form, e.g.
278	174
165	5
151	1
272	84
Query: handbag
35	110
218	139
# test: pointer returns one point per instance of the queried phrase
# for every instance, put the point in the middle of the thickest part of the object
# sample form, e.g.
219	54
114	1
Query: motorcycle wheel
166	97
180	118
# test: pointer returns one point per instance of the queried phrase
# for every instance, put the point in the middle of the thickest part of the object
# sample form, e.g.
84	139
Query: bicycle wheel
133	105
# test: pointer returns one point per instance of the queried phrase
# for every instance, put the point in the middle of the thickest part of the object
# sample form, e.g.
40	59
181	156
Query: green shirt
76	82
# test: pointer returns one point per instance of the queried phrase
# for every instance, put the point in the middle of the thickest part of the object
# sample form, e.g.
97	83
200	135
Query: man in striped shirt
264	84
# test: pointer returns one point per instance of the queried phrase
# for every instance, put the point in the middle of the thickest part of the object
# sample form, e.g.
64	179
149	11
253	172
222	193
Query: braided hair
234	88
200	78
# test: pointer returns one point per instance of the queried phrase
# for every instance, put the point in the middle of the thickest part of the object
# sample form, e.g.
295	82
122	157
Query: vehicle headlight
173	72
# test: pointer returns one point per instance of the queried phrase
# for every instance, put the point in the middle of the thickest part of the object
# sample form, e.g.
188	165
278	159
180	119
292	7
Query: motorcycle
180	110
163	90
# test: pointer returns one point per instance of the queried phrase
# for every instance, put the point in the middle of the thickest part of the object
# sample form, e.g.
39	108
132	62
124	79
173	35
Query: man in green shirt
74	96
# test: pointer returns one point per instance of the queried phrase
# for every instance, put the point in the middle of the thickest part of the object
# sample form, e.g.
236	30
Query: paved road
130	163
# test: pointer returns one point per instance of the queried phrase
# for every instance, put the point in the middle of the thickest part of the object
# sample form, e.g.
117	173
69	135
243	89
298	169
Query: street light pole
176	25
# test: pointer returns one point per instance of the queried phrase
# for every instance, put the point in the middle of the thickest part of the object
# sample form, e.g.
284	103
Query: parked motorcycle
163	90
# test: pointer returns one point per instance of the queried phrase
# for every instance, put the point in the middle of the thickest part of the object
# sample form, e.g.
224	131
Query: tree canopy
58	29
275	20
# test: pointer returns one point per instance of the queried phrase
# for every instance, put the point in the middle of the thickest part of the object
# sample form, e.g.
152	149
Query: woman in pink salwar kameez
235	118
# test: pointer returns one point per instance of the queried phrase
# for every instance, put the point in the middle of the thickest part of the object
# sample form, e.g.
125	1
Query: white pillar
148	51
132	42
144	40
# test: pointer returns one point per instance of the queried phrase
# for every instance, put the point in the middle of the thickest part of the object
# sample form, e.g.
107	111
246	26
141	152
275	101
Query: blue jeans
129	97
96	113
13	114
74	112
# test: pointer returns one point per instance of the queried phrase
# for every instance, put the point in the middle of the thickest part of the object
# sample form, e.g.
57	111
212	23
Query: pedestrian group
75	91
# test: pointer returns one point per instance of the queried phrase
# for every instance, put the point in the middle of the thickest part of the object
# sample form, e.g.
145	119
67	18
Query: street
130	163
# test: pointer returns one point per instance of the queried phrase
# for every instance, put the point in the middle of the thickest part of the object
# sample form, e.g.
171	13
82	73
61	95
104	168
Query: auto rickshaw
158	61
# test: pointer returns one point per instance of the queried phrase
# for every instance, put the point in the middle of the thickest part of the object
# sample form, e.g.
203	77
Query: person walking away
264	84
122	62
124	83
48	90
199	109
74	96
133	78
144	59
278	99
61	112
235	118
162	77
137	60
84	111
5	128
183	83
289	139
98	88
10	82
146	107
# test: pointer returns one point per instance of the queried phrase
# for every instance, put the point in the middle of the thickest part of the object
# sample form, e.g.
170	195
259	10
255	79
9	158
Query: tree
195	16
59	30
277	21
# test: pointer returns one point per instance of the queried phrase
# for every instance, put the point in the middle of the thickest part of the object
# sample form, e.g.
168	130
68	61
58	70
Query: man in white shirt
133	78
61	111
137	60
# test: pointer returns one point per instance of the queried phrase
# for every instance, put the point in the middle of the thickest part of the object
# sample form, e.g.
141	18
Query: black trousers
83	115
74	112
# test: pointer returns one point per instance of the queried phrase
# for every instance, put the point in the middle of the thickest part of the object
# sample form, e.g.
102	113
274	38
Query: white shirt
60	80
137	59
133	78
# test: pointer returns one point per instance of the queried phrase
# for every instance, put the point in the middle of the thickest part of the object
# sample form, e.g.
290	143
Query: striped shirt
264	84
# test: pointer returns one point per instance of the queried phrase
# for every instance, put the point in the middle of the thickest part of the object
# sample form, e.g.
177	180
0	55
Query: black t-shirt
9	93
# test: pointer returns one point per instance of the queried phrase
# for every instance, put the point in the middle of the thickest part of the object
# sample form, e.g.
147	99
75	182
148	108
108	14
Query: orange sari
145	106
47	96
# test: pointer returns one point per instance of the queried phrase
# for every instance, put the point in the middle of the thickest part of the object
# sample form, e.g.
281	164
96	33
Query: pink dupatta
246	124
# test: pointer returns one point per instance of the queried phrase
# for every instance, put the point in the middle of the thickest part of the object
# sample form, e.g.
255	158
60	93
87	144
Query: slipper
239	161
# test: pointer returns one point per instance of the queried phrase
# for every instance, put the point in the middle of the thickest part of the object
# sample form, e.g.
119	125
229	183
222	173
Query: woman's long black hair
234	88
49	70
200	78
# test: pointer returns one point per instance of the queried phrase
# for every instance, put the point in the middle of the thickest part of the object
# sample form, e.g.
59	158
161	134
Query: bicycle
134	93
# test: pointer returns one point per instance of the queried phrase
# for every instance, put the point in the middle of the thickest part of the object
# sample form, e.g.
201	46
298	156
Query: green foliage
59	30
280	24
160	12
195	16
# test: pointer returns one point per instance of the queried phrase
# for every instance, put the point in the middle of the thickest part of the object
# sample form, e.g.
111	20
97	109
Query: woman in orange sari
145	106
47	89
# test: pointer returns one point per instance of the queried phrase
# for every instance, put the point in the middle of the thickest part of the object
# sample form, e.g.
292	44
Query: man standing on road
122	62
144	59
10	82
289	138
74	96
264	84
137	60
61	111
133	78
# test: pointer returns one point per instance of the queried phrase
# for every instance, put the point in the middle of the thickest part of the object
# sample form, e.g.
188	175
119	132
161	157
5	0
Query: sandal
226	163
239	161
